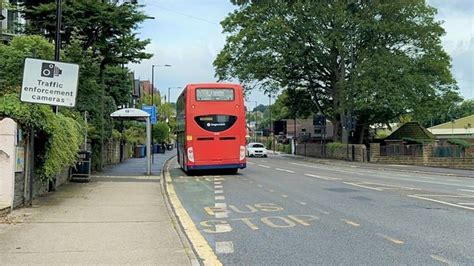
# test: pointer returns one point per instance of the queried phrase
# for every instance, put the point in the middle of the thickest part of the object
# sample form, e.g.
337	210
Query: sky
187	35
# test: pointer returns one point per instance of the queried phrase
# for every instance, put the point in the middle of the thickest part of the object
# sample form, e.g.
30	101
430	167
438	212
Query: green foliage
135	133
161	132
460	142
12	57
334	146
64	134
269	143
377	60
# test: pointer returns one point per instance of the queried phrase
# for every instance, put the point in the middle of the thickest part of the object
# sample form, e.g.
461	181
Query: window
214	94
258	145
215	123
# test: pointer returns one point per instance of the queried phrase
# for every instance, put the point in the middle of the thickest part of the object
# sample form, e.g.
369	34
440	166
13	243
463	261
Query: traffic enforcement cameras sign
49	82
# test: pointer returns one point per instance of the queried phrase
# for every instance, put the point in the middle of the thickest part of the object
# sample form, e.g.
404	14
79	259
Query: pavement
119	217
286	211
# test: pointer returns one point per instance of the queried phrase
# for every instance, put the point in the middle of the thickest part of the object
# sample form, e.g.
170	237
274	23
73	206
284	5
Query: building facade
11	20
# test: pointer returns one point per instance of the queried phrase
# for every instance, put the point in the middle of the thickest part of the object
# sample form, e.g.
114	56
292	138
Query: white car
256	150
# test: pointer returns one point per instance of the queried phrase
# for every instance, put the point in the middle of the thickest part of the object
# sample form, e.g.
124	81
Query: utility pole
57	42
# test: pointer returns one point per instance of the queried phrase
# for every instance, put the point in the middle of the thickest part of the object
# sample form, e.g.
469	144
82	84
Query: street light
169	99
153	100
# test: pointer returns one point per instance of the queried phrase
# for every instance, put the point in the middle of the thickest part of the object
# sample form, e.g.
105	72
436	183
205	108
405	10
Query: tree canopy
373	59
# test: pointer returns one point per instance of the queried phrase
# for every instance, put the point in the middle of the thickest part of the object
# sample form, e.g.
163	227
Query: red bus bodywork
211	127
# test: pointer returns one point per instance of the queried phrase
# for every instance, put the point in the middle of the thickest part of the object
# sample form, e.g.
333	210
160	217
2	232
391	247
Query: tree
100	35
376	60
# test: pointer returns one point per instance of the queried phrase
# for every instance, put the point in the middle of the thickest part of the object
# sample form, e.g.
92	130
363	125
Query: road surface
286	211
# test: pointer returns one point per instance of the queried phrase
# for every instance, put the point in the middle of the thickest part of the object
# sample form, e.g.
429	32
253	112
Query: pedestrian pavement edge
190	235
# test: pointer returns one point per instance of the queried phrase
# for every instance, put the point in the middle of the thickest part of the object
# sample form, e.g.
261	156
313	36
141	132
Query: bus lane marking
224	247
391	239
221	215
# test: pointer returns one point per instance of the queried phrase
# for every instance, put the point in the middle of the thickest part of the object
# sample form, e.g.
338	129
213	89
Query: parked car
255	149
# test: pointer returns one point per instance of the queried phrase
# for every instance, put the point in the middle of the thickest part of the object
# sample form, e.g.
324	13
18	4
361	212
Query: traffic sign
151	109
49	82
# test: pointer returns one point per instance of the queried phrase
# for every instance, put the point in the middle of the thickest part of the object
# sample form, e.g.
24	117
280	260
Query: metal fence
401	150
449	151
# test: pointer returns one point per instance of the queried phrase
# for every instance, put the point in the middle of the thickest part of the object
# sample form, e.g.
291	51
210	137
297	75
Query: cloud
452	7
463	67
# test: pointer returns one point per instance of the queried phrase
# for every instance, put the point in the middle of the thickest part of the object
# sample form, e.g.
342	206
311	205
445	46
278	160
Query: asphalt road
285	211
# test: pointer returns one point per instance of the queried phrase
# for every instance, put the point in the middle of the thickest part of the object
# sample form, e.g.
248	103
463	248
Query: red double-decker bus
211	127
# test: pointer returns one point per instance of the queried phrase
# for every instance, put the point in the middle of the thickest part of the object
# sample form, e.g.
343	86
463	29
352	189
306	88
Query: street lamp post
153	100
169	88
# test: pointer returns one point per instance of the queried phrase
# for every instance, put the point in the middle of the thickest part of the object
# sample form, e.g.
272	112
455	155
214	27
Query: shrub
460	142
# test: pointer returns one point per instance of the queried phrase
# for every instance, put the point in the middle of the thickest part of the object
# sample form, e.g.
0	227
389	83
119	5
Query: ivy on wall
64	133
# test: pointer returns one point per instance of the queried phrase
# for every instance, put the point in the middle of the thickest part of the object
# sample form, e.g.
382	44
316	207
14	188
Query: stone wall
426	160
321	151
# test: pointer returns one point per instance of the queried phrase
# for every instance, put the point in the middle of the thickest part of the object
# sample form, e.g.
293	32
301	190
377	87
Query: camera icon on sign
50	70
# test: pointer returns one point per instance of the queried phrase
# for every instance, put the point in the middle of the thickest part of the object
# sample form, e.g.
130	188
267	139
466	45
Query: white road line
218	191
219	198
223	228
224	247
302	203
387	185
221	215
263	161
220	205
264	166
441	259
448	196
284	196
217	182
466	203
218	186
466	190
359	185
250	163
270	190
259	185
442	202
324	178
284	170
391	239
350	222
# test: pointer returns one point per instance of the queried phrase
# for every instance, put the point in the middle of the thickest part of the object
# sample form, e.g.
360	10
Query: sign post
49	82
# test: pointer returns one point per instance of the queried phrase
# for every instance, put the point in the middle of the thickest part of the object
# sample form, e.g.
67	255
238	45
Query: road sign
151	109
49	82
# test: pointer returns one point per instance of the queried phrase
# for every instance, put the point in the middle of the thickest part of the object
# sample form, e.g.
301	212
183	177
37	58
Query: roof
411	130
461	123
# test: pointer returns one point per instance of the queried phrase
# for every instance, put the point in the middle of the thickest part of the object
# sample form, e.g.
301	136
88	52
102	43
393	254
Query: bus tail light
191	154
242	153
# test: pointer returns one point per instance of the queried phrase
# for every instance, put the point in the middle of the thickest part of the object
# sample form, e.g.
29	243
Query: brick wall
321	151
426	160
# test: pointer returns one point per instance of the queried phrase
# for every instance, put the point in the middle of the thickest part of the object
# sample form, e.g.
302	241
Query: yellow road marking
440	201
350	222
359	185
391	239
441	259
200	244
247	222
288	222
303	219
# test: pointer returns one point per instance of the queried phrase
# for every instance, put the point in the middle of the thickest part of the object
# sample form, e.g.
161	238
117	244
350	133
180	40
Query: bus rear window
214	94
